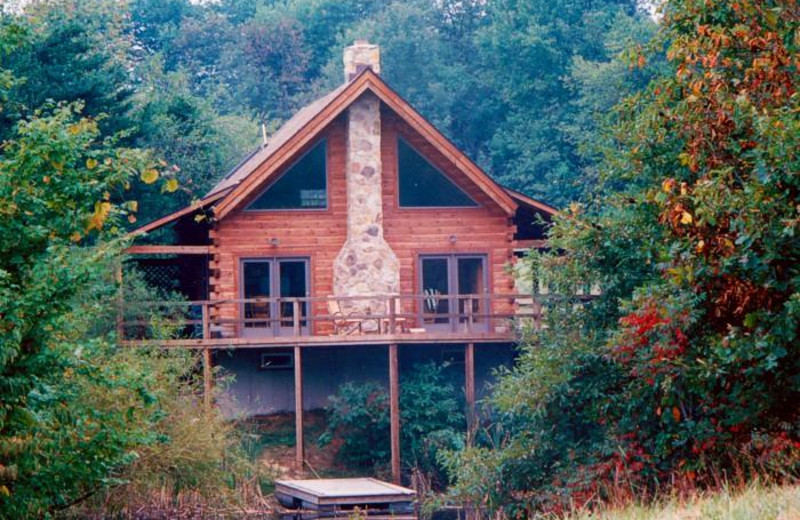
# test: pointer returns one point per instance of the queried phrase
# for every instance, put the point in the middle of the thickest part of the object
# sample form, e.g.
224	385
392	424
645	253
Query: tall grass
199	464
753	502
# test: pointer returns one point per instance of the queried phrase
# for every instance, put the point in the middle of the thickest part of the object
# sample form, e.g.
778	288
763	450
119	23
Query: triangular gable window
302	186
422	185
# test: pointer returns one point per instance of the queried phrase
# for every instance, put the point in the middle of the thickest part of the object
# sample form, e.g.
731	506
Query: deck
328	321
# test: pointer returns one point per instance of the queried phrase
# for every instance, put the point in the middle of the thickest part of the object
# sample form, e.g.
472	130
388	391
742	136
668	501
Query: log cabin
355	242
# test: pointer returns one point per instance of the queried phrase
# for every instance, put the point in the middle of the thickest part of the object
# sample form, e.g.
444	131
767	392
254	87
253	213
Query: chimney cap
359	56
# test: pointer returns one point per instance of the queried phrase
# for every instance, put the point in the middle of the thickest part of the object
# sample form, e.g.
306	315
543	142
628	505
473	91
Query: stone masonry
366	265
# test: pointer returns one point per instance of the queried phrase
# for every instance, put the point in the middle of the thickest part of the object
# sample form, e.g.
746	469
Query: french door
278	281
454	289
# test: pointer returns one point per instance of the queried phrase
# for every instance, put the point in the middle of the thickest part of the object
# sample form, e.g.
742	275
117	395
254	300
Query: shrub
431	420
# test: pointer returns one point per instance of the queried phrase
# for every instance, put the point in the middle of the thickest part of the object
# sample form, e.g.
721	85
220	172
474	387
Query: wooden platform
338	497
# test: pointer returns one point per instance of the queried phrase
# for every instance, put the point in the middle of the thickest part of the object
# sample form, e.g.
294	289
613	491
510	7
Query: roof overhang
163	221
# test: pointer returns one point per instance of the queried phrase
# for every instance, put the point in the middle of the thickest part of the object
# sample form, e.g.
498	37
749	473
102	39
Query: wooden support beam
299	458
168	250
469	385
208	380
394	411
120	301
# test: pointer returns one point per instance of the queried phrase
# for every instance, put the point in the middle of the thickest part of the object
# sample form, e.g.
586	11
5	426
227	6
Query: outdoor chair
342	323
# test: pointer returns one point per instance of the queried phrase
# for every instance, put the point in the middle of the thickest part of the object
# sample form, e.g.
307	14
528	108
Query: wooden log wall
320	234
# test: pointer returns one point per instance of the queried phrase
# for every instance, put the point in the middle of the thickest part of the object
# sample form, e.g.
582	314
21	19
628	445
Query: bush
431	420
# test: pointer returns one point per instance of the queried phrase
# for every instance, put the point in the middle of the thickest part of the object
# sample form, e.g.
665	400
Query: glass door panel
471	277
435	290
293	279
257	280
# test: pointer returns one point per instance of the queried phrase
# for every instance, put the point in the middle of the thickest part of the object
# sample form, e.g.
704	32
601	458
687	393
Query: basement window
302	186
422	185
277	360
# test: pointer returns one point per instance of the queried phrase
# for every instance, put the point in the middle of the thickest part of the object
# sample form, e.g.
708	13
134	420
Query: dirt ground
277	445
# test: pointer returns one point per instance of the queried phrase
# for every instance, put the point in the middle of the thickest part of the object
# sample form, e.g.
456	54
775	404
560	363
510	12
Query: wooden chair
342	324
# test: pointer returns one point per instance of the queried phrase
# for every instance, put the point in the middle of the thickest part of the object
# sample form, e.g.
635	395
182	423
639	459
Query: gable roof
307	124
255	169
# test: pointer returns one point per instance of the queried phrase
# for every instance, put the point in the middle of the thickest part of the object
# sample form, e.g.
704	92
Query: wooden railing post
206	324
470	318
296	316
392	315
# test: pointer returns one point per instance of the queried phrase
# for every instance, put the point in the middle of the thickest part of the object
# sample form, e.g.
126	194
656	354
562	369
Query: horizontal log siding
319	235
410	232
314	234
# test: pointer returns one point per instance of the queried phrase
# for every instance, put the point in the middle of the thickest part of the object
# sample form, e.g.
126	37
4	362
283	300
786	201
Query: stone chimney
366	265
359	56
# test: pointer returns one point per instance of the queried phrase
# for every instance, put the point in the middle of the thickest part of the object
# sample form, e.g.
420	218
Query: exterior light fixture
274	242
453	239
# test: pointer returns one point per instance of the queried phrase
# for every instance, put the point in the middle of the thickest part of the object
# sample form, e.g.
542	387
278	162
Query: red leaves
650	340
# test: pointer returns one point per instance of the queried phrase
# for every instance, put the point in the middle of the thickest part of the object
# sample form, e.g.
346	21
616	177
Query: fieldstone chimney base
366	265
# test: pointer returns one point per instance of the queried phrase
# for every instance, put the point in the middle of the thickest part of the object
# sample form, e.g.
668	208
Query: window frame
262	191
452	259
276	328
475	205
276	353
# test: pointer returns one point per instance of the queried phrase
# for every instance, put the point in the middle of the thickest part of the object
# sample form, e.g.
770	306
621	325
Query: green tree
536	51
687	366
57	192
75	51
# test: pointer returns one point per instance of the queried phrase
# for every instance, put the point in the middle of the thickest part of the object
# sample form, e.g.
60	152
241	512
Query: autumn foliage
685	372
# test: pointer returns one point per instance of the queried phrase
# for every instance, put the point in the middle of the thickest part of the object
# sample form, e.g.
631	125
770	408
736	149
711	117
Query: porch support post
298	408
208	380
469	384
394	412
208	375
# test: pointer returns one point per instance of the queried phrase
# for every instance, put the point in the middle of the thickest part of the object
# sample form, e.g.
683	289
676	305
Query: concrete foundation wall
253	391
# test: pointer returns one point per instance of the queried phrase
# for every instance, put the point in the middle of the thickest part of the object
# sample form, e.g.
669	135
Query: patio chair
342	324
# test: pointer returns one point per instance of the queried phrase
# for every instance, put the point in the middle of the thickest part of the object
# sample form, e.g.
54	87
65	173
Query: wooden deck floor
332	497
330	340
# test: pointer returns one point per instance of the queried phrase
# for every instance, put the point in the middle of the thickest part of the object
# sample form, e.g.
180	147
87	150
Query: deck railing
491	315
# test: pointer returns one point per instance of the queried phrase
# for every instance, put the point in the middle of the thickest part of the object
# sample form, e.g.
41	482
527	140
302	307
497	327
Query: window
302	186
452	286
277	360
422	185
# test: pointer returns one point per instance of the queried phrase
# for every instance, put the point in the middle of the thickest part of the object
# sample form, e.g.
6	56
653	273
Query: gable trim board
255	175
163	221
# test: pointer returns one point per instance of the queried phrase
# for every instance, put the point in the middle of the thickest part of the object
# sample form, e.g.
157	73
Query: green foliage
431	418
60	442
686	368
359	415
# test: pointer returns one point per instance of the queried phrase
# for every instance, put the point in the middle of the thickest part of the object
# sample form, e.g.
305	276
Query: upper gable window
302	186
422	185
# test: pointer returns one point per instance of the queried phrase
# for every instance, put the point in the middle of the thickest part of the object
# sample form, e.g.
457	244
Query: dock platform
331	498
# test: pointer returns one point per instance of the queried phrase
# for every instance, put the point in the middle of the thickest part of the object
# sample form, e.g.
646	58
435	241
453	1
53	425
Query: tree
58	186
75	51
535	50
687	366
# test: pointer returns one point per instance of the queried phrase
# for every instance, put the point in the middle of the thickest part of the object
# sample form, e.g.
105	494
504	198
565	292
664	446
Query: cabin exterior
357	239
